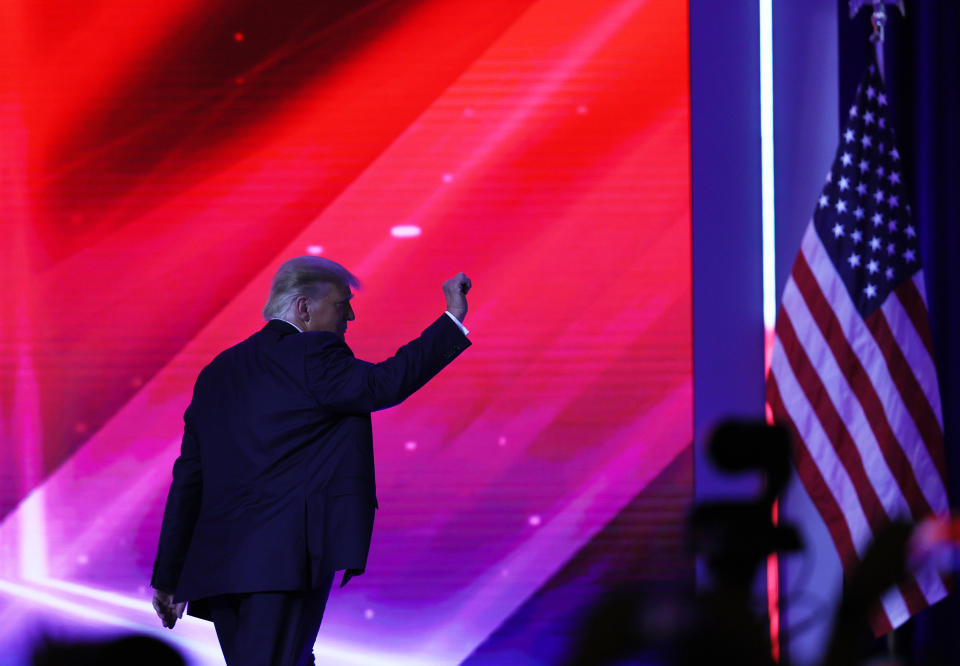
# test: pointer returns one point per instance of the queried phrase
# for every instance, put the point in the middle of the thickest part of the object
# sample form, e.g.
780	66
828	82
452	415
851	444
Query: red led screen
160	160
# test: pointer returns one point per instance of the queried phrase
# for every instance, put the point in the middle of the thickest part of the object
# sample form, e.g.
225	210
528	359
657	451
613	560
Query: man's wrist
456	320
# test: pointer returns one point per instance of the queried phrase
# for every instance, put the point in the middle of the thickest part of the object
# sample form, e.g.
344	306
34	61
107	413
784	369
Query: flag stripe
836	431
917	355
920	283
879	621
816	487
863	388
862	441
933	584
901	482
913	303
824	497
824	457
896	614
865	350
910	392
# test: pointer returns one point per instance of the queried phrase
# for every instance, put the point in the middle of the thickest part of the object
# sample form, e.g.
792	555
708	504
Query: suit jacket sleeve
341	382
180	514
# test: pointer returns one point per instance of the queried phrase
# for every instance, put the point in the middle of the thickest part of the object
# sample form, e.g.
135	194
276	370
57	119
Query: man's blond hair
304	276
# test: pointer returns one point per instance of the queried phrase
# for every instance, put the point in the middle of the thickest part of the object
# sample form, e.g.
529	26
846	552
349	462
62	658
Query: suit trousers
269	628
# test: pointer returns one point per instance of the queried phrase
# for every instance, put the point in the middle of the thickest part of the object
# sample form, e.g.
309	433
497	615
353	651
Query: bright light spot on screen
314	249
533	520
502	441
448	178
405	231
582	109
82	559
238	36
410	446
368	613
468	113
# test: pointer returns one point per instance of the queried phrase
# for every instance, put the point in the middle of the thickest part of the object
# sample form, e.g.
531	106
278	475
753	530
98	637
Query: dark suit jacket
274	486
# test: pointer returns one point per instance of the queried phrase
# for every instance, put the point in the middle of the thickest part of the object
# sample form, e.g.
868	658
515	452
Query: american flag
852	370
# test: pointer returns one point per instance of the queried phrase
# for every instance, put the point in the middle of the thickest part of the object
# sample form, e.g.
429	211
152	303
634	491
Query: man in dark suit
274	488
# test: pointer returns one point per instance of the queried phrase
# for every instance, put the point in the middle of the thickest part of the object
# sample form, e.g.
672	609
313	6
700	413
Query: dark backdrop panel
922	57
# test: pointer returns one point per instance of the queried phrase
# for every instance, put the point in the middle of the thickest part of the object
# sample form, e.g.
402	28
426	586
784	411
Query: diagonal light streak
87	613
205	646
494	595
540	92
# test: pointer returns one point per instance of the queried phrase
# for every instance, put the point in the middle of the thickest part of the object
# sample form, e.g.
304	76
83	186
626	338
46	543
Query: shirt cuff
456	321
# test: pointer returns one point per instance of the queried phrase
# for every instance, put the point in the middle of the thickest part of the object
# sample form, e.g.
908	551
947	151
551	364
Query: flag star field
860	218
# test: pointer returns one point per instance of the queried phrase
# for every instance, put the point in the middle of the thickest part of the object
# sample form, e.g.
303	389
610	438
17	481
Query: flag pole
879	22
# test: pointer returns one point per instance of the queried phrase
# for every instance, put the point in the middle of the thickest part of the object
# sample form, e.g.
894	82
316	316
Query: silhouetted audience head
126	650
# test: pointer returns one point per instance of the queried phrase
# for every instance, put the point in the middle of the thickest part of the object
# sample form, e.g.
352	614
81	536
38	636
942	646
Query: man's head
313	293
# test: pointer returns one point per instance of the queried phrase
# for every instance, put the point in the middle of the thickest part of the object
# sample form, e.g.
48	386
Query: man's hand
455	290
167	611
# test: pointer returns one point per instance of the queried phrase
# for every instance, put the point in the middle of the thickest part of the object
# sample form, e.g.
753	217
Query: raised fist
455	291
